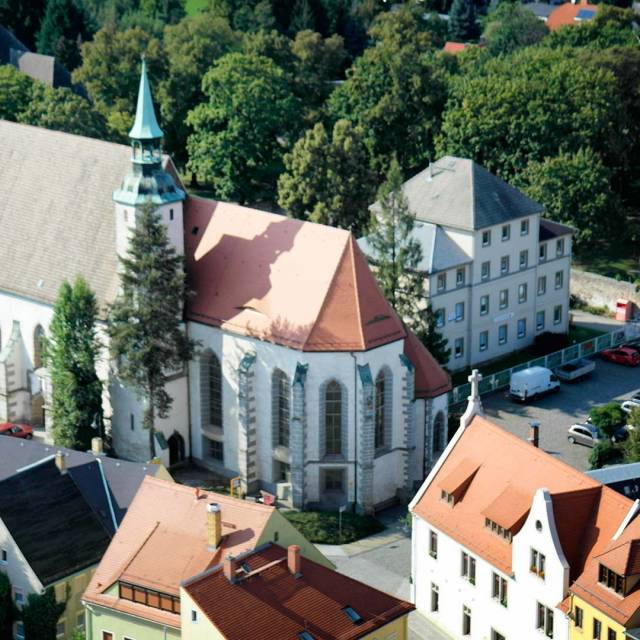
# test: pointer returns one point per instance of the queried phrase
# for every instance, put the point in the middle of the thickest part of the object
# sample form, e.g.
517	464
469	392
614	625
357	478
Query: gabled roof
454	47
273	604
296	283
52	522
163	541
457	192
430	379
567	14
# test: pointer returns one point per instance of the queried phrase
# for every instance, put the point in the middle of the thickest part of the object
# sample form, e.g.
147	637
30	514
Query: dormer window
447	497
611	579
494	527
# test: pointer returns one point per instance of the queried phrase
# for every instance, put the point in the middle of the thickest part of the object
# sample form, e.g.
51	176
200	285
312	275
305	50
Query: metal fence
500	380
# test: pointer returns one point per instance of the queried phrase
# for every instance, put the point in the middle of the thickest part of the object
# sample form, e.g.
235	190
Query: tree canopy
463	23
510	27
16	91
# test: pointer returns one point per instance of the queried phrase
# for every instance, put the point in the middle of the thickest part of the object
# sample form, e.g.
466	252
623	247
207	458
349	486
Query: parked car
622	355
628	405
589	435
636	396
16	430
574	371
634	347
534	381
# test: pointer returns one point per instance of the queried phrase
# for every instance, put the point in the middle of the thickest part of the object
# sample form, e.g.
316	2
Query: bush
548	342
607	417
321	527
604	453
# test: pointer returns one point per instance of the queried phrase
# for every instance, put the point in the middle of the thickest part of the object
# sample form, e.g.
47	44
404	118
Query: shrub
607	417
604	453
322	526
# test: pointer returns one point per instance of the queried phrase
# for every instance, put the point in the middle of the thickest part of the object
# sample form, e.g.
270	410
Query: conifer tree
463	25
72	351
144	322
40	615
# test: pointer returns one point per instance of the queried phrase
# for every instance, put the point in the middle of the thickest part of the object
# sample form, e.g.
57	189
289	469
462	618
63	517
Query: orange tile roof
459	477
303	285
509	509
431	379
273	604
566	14
454	47
162	541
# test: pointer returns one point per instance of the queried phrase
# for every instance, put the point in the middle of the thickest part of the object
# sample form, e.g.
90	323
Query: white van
535	381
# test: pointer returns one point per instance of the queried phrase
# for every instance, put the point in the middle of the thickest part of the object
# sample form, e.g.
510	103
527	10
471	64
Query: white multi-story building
305	384
503	533
496	272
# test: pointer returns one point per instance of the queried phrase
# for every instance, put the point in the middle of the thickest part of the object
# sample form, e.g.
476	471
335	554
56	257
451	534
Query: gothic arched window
383	409
211	389
38	347
333	418
439	438
280	413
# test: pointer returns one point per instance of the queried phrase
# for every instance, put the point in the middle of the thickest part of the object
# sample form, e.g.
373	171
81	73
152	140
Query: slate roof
550	229
123	478
273	604
52	523
539	9
457	192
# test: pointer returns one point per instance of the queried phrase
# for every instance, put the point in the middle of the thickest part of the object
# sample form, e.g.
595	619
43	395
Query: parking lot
558	411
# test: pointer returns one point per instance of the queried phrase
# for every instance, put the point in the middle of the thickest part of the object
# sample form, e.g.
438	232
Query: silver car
589	435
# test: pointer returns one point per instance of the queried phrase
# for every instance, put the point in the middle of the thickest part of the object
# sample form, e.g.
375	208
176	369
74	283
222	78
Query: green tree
272	45
633	419
110	72
241	132
607	418
40	615
16	90
23	19
632	447
302	18
575	189
328	179
192	46
144	322
72	351
64	27
427	331
604	453
8	612
512	26
463	23
395	252
63	110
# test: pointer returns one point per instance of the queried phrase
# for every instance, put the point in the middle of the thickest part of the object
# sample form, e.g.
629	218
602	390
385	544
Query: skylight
305	635
353	615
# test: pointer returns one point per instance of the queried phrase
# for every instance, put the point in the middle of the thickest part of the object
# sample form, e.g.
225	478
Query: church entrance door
176	448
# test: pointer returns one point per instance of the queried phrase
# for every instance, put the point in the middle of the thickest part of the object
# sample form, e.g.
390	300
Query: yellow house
278	589
588	622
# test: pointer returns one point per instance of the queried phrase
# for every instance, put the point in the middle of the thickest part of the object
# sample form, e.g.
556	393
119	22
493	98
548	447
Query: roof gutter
106	490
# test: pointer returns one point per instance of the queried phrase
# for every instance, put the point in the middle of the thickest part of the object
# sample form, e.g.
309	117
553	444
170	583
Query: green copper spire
145	126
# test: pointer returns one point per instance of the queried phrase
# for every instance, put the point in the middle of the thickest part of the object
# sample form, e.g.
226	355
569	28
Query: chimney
229	569
60	462
293	560
534	433
96	447
214	526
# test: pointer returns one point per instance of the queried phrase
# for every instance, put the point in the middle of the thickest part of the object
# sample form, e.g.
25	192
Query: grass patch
618	262
321	527
581	334
194	7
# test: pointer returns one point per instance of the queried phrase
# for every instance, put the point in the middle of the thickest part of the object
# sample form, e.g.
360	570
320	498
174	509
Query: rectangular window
80	620
557	314
544	620
433	544
597	629
3	556
611	634
466	621
18	596
447	497
458	348
440	317
499	589
504	265
579	617
611	579
170	214
538	561
540	321
484	340
543	252
542	285
524	227
502	334
60	629
522	327
484	305
485	272
560	247
522	293
524	259
333	480
486	238
216	450
506	232
194	615
504	298
442	281
460	277
559	279
435	598
469	567
19	631
459	311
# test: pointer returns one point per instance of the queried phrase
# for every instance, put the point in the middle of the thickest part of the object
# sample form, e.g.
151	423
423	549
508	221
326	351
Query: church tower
147	181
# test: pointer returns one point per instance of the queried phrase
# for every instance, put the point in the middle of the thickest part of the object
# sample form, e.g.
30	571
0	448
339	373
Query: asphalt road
558	411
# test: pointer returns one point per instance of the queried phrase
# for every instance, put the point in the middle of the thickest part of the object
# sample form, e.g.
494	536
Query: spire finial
474	406
145	126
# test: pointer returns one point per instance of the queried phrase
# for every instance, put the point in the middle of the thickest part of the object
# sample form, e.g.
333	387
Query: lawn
196	6
617	262
321	527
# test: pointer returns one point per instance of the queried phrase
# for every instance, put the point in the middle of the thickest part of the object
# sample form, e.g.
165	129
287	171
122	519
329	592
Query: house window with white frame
484	340
18	596
435	598
504	265
458	348
522	327
597	629
502	334
459	311
484	305
557	314
466	620
524	227
433	544
441	282
560	247
544	620
522	293
543	251
440	317
485	271
506	232
486	238
538	563
542	285
460	277
540	321
559	279
524	259
499	589
194	615
468	567
504	298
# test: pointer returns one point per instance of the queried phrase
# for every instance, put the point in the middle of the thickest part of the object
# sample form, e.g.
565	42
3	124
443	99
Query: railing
501	379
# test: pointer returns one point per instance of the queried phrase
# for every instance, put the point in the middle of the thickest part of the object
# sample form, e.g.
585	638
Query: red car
16	430
622	355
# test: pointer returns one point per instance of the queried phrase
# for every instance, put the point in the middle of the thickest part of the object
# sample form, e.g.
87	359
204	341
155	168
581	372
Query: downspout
186	333
355	426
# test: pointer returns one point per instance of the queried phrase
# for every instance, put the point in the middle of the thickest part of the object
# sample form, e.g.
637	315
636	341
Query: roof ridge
351	248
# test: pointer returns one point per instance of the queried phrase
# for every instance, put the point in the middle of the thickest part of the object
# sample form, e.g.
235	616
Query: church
305	383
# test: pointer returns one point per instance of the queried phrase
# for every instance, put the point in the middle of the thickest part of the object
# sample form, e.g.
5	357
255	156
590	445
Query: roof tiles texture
273	604
566	14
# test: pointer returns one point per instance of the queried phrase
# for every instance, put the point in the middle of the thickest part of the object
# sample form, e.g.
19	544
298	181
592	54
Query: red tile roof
566	14
509	509
431	379
275	605
454	47
303	285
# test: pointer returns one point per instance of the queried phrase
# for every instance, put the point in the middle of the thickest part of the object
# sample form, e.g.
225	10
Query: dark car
622	355
16	430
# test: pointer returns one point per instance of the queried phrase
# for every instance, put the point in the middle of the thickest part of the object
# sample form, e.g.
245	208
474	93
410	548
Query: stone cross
475	379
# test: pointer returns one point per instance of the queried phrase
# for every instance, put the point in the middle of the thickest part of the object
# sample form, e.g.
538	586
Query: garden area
323	527
618	444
